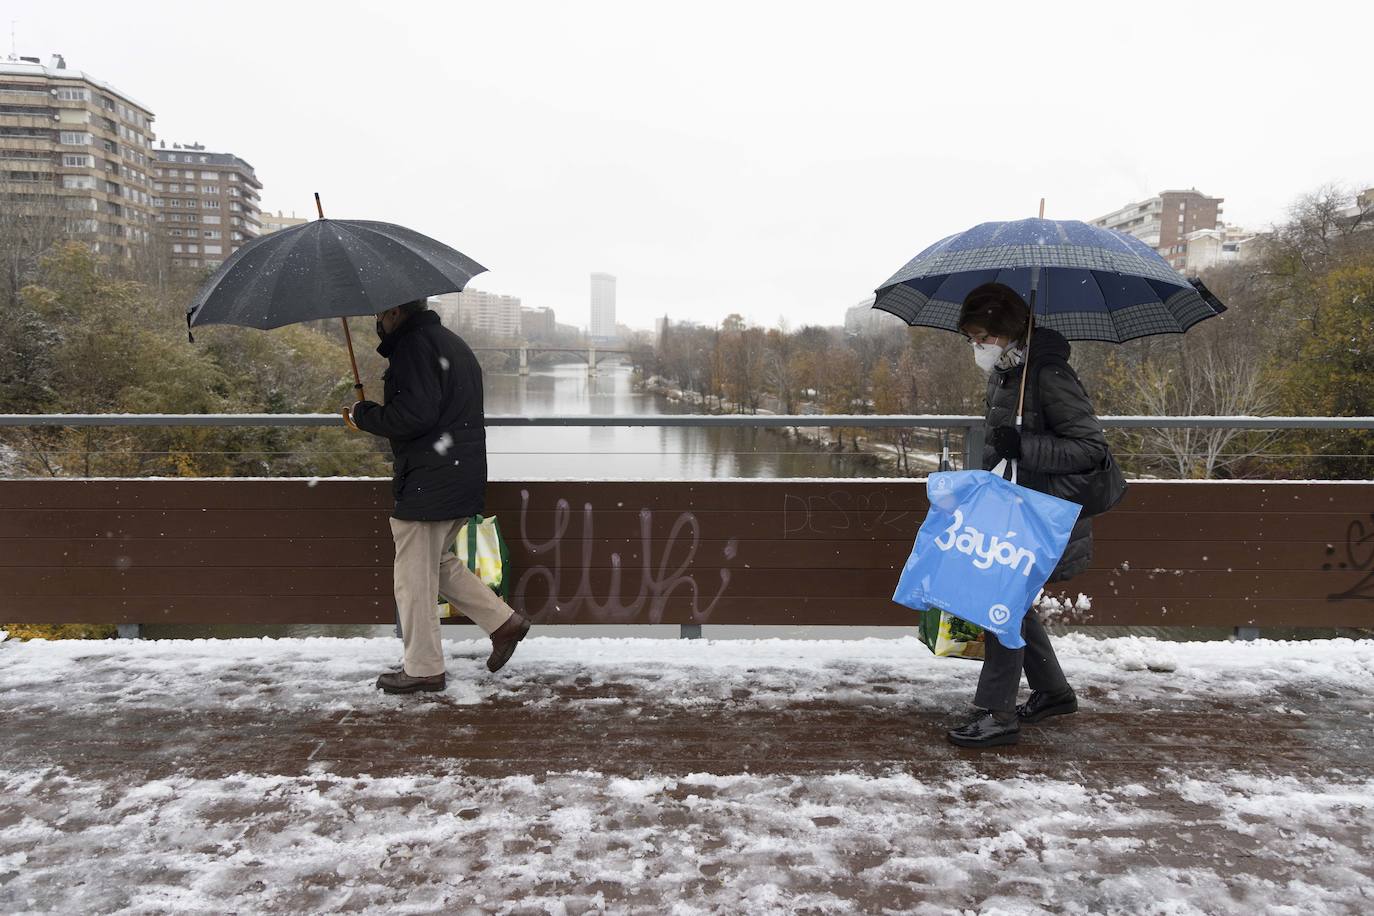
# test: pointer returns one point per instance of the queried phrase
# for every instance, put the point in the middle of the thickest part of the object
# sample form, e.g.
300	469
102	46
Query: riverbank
922	454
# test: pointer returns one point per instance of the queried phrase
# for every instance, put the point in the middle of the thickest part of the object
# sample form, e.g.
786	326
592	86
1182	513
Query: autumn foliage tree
1333	373
110	344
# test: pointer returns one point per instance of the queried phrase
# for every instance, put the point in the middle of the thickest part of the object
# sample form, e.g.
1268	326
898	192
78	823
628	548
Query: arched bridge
591	354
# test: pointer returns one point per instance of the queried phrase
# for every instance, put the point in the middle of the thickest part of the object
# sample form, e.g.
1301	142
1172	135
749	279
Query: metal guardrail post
1245	634
690	631
129	630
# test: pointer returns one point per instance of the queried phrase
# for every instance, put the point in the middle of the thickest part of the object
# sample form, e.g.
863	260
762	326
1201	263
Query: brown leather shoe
504	640
400	682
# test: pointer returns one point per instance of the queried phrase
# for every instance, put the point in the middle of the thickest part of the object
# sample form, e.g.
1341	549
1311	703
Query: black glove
1006	441
359	408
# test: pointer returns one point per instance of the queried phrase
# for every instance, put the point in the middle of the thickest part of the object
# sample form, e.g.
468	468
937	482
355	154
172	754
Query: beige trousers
423	570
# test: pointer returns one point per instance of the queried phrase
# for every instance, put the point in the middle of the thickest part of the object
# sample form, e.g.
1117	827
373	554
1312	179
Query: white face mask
987	355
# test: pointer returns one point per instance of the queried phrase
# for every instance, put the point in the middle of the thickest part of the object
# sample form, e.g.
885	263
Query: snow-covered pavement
651	776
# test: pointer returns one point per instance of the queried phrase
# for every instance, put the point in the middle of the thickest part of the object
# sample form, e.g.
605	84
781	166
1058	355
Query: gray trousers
1000	680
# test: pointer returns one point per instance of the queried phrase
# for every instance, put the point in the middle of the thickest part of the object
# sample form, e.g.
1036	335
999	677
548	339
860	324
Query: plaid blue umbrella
1092	283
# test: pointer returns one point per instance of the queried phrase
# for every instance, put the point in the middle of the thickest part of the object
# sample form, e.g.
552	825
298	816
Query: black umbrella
328	268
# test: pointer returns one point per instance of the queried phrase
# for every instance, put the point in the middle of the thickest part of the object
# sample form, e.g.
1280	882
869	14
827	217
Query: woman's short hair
417	305
997	309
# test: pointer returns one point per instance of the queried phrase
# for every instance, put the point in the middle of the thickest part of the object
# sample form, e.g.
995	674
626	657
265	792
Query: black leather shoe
400	682
1043	705
986	731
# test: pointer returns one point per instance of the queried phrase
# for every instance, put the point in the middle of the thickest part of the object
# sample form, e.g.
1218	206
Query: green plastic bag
479	544
947	635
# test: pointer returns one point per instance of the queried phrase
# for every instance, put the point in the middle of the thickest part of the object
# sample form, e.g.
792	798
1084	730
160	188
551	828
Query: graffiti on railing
844	512
659	582
1359	558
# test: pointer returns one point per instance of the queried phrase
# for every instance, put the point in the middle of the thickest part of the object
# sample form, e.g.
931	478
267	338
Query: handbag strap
472	541
505	561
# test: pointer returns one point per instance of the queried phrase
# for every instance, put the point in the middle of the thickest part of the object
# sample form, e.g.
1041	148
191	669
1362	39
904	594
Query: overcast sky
776	160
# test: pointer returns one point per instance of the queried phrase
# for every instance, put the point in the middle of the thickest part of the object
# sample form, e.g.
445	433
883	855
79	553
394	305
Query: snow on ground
1013	832
691	844
335	674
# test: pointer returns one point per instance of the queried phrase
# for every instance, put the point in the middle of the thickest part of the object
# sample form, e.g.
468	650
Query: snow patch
337	674
743	843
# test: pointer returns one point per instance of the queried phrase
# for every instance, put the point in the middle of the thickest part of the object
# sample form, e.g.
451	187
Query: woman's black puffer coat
1060	432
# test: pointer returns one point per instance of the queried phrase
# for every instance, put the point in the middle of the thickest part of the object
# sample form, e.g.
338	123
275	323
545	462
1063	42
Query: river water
633	453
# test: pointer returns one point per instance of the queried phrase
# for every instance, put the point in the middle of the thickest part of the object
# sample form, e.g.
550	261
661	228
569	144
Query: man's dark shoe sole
417	687
994	741
1058	709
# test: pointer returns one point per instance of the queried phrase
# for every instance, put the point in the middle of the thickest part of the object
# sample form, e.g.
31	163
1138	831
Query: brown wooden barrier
720	552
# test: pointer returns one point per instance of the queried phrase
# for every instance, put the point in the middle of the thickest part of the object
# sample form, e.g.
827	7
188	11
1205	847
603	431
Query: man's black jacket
433	417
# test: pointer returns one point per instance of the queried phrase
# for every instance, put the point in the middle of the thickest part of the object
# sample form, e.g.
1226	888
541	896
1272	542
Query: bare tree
1325	229
1318	221
890	396
1211	377
779	373
32	223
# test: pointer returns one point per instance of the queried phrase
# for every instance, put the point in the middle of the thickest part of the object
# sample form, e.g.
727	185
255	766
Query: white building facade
603	307
1207	248
473	308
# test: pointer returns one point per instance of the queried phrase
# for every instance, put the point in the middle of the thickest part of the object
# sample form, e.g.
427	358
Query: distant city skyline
787	181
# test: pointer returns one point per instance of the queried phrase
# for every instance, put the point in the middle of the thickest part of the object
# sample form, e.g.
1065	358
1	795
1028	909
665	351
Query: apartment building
603	325
864	320
207	204
473	308
73	144
1208	248
276	222
1164	221
538	324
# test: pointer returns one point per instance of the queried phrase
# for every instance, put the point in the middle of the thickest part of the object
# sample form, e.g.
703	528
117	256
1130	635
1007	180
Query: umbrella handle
1030	330
347	415
358	391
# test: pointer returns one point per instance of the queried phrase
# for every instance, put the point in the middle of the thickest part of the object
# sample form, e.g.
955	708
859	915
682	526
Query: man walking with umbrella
433	417
433	410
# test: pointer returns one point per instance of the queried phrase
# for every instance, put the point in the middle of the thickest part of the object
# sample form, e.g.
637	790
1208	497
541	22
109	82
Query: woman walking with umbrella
1095	284
1058	435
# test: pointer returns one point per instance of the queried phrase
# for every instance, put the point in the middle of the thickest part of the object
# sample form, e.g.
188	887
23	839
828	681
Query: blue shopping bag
985	550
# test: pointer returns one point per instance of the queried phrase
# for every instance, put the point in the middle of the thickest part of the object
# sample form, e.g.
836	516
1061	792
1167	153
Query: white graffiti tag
970	542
